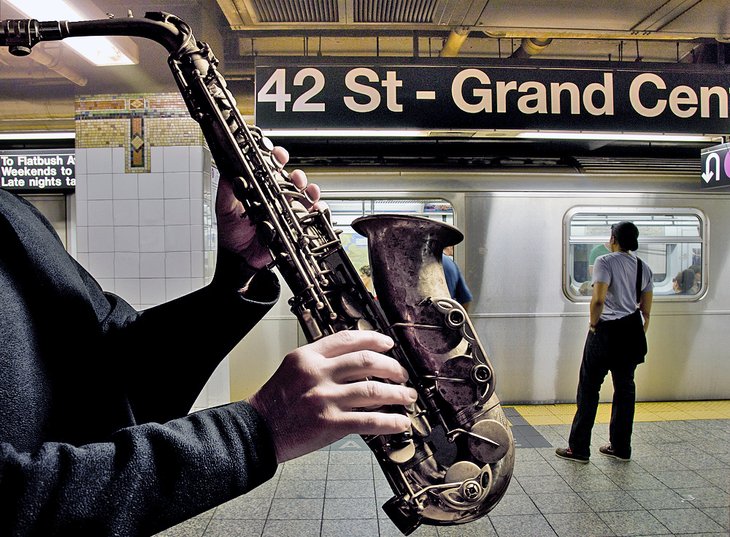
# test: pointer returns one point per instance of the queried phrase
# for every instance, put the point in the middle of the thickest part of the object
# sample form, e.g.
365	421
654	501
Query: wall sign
36	170
716	166
434	94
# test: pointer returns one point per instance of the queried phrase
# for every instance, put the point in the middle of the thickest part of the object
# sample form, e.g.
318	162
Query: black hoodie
95	435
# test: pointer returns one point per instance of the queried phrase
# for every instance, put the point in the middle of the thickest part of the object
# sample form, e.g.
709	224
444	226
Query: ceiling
37	92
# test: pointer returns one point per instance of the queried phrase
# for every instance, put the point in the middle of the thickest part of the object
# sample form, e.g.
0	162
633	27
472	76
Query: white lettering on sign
682	100
37	170
533	96
391	83
474	90
373	95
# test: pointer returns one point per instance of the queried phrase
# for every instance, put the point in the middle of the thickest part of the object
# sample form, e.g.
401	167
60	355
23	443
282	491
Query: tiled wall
144	215
147	237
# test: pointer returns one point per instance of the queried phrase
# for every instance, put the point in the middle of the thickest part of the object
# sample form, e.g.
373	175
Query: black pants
598	360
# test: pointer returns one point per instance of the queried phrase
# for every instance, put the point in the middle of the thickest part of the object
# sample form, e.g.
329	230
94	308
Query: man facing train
615	342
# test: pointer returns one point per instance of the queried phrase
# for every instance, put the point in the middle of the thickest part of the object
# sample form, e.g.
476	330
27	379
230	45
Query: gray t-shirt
618	270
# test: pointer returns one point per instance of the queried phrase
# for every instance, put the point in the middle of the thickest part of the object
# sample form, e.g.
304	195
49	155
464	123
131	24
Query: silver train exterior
514	259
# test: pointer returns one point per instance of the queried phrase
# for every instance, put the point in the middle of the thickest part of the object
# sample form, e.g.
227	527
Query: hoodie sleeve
144	479
172	349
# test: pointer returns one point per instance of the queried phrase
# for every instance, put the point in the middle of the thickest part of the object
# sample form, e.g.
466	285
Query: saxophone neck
21	35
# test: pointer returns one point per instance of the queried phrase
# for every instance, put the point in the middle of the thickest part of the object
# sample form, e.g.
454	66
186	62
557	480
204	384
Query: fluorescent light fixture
616	136
37	135
98	50
346	133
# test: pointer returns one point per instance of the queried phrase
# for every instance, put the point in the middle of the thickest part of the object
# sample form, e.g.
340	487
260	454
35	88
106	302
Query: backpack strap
639	267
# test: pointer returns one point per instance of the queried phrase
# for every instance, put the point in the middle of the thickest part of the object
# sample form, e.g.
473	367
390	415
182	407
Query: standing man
455	280
616	342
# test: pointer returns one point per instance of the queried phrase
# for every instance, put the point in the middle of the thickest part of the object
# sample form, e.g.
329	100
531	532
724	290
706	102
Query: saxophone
456	462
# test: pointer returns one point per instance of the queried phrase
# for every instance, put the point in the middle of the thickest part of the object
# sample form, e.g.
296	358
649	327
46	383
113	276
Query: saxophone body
456	462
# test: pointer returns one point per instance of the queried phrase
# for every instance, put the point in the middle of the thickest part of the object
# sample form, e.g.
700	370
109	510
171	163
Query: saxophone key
489	440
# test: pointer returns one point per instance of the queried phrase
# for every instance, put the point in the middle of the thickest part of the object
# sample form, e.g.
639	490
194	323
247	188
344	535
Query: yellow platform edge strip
557	414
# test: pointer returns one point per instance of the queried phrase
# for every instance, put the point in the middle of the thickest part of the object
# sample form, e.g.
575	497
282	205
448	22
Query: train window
345	211
671	242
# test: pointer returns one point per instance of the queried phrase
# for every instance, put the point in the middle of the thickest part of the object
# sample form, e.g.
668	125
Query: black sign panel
716	166
318	94
35	170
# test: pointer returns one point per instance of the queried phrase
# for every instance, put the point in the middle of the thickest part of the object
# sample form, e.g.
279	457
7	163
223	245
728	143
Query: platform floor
677	483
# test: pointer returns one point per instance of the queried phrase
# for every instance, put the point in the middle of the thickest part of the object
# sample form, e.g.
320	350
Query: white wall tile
126	212
124	186
157	159
81	168
99	160
152	290
152	212
101	239
177	185
150	186
177	212
197	267
101	264
83	259
177	238
82	210
126	238
129	289
126	265
152	238
197	158
196	185
196	238
196	211
99	186
177	287
82	187
118	160
178	265
177	159
100	213
82	239
107	284
152	265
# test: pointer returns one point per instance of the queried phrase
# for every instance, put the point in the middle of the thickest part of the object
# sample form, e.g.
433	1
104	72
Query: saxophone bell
463	448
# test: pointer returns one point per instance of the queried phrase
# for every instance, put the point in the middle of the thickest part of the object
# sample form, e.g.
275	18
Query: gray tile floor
677	483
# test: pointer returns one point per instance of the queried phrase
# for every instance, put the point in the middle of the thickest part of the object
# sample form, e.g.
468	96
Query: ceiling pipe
42	57
531	46
454	42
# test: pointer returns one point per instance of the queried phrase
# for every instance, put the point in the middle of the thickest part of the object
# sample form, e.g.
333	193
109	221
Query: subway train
531	233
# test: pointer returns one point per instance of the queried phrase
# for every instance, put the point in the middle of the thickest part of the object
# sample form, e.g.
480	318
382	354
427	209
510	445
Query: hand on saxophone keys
237	234
318	394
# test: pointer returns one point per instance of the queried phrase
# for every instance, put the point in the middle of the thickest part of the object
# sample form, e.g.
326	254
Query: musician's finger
359	365
281	154
347	341
373	423
368	393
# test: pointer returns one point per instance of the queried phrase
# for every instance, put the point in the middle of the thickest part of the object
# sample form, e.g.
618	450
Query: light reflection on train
530	239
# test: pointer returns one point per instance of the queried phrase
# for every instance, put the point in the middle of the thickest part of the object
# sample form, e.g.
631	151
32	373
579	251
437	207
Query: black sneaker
567	453
608	451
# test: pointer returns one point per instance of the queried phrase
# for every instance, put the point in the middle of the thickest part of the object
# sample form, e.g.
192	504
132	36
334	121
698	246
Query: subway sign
716	166
38	170
319	94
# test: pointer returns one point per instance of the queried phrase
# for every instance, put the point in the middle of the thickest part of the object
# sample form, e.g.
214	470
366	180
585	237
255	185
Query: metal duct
530	46
454	42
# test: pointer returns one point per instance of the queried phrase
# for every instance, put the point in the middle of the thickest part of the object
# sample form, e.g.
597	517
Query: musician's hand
318	394
237	234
